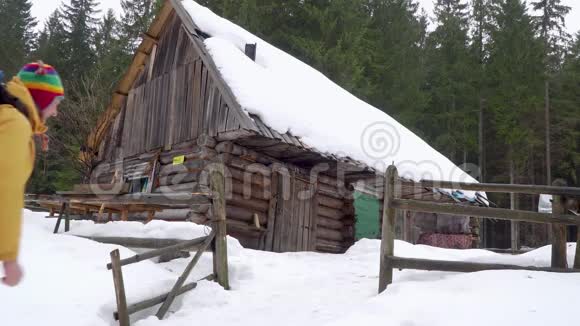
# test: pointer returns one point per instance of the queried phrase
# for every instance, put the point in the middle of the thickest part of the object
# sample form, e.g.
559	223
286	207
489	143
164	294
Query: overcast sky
43	8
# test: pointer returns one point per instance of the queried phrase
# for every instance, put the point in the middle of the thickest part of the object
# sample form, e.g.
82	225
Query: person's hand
13	273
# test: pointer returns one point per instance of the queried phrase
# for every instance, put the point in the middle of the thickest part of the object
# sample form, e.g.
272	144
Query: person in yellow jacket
26	102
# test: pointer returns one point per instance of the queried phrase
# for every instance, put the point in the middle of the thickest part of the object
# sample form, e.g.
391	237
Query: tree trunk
481	163
547	118
548	145
515	234
532	173
480	143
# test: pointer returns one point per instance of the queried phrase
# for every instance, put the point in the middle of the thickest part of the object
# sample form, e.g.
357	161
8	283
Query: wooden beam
124	215
63	208
145	243
465	267
269	243
487	212
100	215
158	252
514	225
97	189
150	303
122	312
150	216
220	248
559	256
67	220
156	199
150	38
388	230
577	255
496	187
181	280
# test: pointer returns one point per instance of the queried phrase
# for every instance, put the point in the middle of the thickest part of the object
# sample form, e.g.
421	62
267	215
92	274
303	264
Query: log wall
335	218
250	203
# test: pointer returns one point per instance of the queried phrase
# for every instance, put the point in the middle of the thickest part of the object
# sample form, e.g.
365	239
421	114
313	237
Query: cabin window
138	185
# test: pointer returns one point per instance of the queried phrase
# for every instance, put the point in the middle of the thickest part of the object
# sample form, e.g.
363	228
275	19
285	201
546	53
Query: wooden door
295	219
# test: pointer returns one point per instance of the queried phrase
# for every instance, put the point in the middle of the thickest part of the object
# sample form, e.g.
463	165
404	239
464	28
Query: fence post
577	255
122	311
60	217
514	225
559	255
220	248
388	230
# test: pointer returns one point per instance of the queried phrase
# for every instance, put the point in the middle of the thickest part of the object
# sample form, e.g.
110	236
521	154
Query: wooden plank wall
295	221
174	100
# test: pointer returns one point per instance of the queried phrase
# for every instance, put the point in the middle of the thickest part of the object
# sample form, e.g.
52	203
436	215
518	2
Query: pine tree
18	35
396	69
49	167
111	59
451	65
566	149
67	42
334	41
80	22
481	11
515	79
52	42
328	35
480	22
551	26
105	34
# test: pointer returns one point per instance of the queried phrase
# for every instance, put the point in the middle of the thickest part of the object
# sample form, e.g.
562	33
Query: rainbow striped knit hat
43	83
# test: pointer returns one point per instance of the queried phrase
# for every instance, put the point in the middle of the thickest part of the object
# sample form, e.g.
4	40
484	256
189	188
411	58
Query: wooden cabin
173	115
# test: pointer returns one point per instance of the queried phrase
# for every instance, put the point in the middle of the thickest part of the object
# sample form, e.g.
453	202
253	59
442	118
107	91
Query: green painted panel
367	216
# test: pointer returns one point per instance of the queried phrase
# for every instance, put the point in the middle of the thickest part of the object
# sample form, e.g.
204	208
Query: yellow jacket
16	165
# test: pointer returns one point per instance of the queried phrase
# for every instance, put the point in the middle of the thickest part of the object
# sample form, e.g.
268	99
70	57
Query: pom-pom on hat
43	83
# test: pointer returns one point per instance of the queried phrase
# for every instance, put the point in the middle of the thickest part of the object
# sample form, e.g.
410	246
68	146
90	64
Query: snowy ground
67	284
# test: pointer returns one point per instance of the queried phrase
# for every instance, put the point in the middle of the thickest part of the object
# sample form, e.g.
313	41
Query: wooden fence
216	240
558	219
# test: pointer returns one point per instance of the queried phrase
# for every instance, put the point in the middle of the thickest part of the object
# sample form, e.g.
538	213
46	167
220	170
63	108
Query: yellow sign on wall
178	160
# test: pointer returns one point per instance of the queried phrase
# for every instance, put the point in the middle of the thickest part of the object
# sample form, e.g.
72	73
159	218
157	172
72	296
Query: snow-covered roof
292	97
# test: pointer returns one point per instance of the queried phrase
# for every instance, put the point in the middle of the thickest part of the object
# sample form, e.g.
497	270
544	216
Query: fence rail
499	187
558	219
465	267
